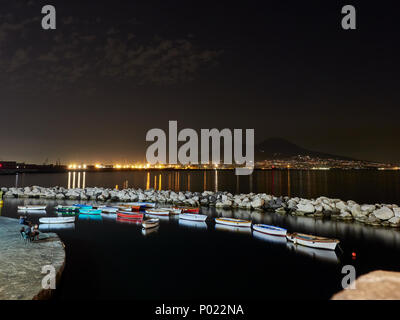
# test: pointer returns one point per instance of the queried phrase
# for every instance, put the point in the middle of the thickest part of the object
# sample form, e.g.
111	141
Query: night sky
112	70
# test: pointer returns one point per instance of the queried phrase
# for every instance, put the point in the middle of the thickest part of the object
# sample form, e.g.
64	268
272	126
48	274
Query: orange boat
128	215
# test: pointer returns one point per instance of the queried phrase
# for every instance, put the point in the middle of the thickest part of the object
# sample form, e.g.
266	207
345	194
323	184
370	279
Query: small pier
21	263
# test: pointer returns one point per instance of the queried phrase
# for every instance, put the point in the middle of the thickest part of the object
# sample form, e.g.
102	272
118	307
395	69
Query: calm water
107	259
364	186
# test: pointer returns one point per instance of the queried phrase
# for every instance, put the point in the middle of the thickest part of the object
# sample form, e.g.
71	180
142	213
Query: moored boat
313	241
233	222
172	210
142	204
82	206
32	207
272	230
109	210
150	223
57	220
193	216
67	209
158	212
130	215
90	211
188	209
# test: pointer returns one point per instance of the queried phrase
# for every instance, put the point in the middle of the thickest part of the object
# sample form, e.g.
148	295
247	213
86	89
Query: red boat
190	210
129	215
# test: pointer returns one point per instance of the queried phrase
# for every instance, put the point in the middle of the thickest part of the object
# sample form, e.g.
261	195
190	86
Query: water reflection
320	255
269	238
242	230
54	227
146	232
192	224
76	176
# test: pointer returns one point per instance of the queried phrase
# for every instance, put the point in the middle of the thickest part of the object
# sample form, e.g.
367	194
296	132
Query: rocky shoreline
387	215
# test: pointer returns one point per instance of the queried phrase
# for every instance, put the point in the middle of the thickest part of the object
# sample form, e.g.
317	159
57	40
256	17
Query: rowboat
233	222
158	212
193	216
35	212
109	210
130	215
236	229
150	223
172	210
57	220
32	207
313	241
82	206
272	230
142	204
67	209
188	209
269	238
90	211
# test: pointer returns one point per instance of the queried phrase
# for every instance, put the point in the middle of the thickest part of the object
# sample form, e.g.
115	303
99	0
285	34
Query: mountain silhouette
279	148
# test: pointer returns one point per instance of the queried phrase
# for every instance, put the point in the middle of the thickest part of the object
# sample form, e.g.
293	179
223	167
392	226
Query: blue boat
82	206
90	211
91	217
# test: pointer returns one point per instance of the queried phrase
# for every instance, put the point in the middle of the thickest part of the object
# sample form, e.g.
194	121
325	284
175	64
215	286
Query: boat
130	215
57	220
193	216
67	209
35	212
272	230
142	204
91	217
83	206
90	211
150	223
233	222
109	210
146	232
312	241
188	209
172	210
158	212
32	207
270	238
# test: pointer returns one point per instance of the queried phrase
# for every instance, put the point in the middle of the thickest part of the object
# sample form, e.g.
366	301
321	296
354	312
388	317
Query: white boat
150	223
272	230
269	238
38	212
172	210
233	222
158	212
57	220
193	216
142	204
313	241
32	207
109	209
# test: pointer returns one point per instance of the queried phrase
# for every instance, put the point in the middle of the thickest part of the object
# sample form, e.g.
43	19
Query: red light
1	165
353	255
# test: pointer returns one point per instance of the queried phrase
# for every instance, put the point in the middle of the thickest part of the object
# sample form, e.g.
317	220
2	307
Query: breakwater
377	214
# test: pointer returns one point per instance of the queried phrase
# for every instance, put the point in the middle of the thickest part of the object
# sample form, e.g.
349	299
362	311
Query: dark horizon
112	70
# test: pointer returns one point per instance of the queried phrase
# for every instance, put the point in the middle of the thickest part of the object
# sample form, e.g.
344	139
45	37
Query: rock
383	213
257	203
340	205
396	211
394	222
305	208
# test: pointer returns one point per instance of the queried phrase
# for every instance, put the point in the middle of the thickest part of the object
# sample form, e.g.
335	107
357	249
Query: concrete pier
21	263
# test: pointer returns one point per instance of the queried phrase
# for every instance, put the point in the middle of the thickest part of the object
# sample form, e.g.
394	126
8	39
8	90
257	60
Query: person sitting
35	232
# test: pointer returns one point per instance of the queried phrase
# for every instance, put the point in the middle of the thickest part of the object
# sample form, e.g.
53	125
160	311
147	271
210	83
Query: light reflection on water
364	186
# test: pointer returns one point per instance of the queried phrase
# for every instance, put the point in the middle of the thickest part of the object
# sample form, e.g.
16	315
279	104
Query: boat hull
313	242
193	217
130	216
233	222
271	230
58	220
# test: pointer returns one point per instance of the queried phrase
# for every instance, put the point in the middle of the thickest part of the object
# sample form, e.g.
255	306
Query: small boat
142	204
188	209
130	215
270	238
233	222
57	220
35	212
90	211
83	206
272	230
193	216
32	207
158	212
109	210
67	209
172	210
150	223
237	229
313	241
193	224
